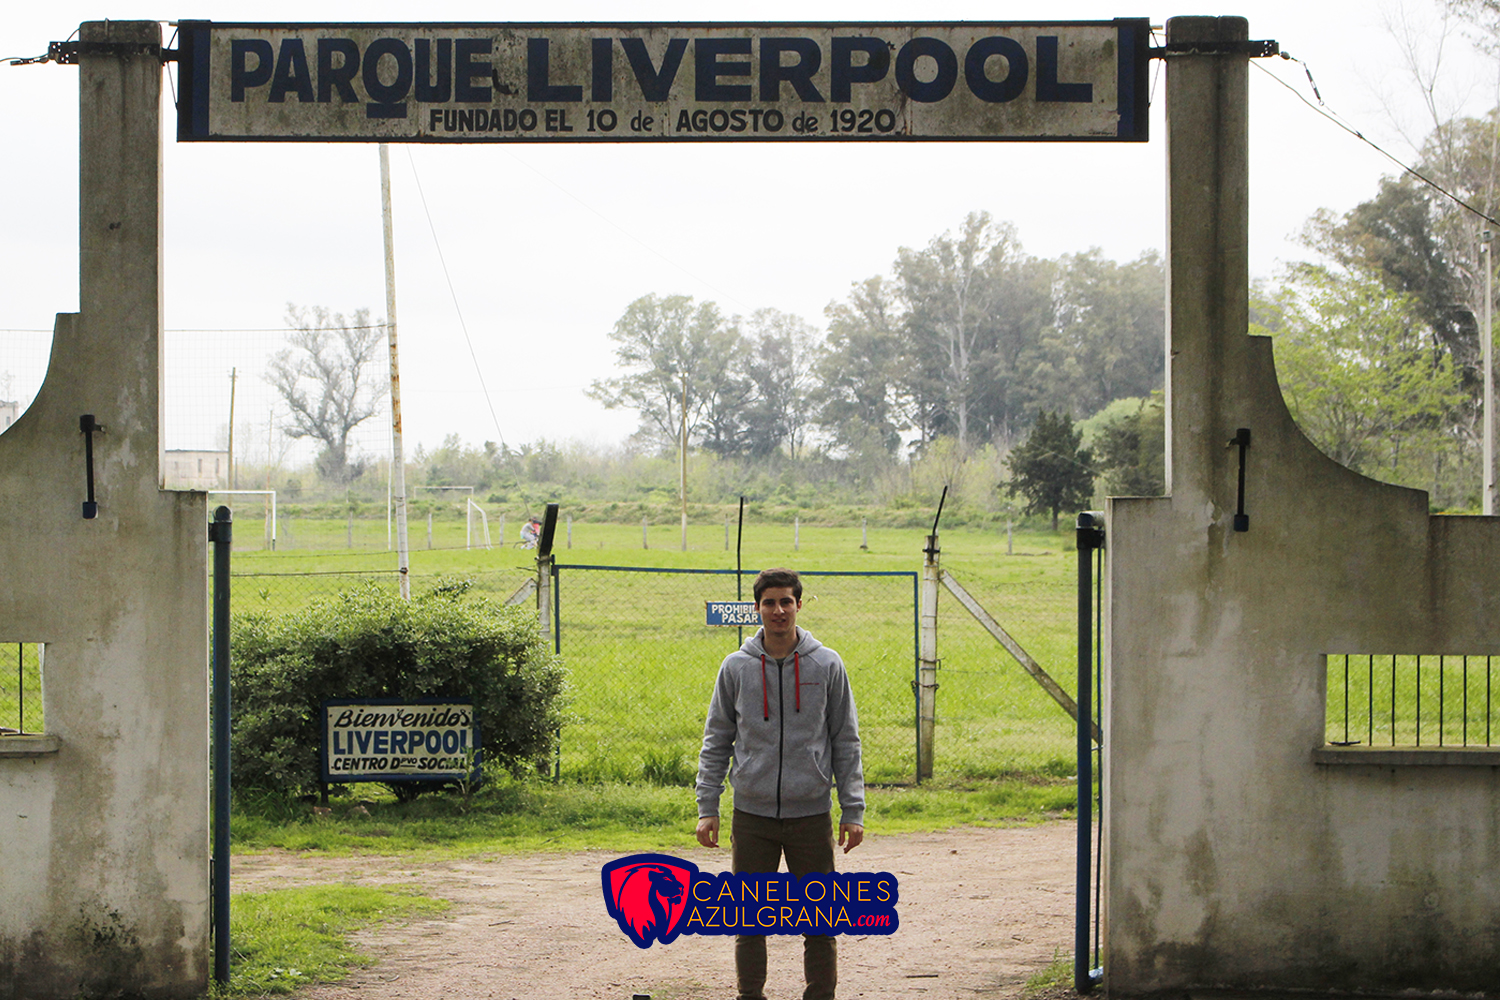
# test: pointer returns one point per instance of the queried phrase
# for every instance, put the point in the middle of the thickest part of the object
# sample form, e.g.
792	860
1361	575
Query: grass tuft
1056	976
285	939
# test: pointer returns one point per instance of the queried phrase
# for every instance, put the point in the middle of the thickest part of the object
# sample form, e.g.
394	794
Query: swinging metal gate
1086	974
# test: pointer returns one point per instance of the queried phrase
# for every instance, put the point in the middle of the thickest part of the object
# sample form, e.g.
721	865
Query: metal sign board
733	614
1077	80
384	740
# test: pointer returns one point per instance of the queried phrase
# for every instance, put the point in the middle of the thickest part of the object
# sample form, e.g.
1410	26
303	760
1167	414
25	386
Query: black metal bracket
932	547
221	528
1090	527
67	53
1261	49
1241	438
87	426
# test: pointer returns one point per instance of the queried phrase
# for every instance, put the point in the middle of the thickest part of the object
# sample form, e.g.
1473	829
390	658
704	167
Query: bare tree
328	379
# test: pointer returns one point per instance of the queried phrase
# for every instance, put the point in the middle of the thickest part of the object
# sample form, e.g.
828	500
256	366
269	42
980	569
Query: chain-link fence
281	592
642	663
993	718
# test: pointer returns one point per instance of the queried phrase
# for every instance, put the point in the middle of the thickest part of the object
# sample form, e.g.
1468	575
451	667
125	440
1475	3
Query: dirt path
981	910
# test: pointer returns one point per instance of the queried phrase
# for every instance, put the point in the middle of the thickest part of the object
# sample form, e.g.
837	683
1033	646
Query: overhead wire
451	291
45	57
1327	112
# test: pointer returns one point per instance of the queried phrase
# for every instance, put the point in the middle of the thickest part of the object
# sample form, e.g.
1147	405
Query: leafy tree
661	341
1050	469
965	338
1366	379
855	399
330	382
783	350
1399	237
1105	341
1008	390
955	291
1130	450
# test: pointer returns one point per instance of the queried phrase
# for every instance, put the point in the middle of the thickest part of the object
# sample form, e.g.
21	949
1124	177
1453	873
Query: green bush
368	643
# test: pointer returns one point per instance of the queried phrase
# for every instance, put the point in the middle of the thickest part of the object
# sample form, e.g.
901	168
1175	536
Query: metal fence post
1090	539
927	660
544	574
220	534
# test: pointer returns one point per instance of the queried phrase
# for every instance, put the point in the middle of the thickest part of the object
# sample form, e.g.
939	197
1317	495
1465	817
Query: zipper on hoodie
781	739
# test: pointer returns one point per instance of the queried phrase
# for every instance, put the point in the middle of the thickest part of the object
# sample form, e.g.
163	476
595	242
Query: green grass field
21	688
1404	701
510	816
641	662
286	939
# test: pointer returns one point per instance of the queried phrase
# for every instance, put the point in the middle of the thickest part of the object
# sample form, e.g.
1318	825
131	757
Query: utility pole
230	479
1489	379
682	449
398	460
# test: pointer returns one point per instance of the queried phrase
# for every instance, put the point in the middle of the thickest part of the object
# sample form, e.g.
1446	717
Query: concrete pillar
927	660
1207	253
104	836
1242	852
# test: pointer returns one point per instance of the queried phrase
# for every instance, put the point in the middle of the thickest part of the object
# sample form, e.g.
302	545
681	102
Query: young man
783	709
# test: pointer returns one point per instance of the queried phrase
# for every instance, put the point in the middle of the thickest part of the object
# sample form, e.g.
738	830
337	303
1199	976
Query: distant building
9	411
196	470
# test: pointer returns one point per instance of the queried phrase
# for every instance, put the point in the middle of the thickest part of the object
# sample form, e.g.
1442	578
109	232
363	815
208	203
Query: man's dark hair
778	578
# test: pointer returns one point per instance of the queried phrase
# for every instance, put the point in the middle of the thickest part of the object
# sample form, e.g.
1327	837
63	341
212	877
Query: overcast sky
546	246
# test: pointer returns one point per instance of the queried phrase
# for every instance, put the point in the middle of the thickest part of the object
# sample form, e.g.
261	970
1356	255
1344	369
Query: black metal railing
21	688
1436	700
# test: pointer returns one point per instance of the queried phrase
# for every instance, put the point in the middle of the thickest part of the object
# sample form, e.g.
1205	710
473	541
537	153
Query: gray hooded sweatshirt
792	732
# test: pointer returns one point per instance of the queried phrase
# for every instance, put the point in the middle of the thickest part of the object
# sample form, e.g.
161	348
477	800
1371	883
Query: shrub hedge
368	643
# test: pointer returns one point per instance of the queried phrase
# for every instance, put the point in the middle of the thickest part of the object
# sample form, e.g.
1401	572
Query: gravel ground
981	910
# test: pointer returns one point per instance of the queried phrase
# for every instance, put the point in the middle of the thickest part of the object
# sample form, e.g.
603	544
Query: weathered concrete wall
104	839
1232	859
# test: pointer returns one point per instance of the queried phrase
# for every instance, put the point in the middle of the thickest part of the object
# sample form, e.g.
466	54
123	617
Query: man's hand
851	832
708	831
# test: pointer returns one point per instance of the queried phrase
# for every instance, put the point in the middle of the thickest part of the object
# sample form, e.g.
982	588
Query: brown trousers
757	844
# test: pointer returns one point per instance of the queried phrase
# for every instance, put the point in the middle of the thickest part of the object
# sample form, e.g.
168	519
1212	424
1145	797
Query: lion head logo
648	895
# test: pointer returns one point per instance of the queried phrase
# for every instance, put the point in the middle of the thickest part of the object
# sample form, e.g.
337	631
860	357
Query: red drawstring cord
765	698
797	672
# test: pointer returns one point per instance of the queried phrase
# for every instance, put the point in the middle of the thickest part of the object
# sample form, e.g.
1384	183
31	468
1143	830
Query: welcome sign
653	82
386	740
